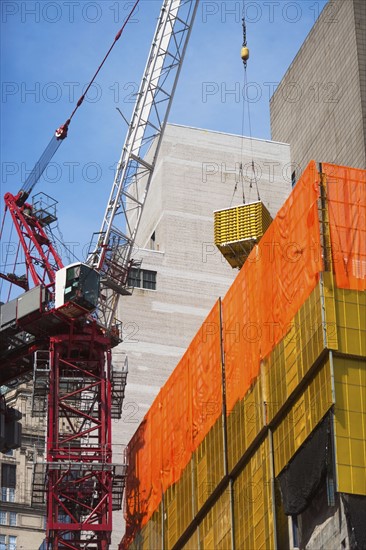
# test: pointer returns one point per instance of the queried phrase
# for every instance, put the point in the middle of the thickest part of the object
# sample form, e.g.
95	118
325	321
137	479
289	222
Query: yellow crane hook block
244	53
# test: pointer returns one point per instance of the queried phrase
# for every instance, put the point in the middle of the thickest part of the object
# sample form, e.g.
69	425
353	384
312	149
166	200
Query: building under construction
257	439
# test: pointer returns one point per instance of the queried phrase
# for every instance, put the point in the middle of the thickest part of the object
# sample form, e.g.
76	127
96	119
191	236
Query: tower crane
61	330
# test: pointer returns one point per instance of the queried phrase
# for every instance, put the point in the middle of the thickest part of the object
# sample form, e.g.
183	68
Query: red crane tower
61	330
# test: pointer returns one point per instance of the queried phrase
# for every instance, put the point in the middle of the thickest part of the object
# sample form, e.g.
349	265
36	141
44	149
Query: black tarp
301	479
355	511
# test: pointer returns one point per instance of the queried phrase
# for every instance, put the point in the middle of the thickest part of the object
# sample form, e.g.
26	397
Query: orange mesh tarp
290	259
278	276
206	376
241	334
137	485
346	193
176	428
185	409
144	480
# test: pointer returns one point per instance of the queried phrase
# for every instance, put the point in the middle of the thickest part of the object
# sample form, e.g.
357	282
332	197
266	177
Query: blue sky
50	49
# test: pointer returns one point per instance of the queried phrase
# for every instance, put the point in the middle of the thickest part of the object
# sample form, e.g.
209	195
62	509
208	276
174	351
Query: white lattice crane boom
112	253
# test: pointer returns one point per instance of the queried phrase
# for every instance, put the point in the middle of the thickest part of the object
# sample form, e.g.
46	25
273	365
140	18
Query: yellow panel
209	463
144	540
306	412
294	355
193	543
222	522
244	423
309	330
252	503
184	500
330	310
206	532
208	541
150	536
351	321
350	424
170	524
215	528
237	229
178	506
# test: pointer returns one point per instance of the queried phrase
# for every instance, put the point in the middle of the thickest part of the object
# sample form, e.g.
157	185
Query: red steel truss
79	468
41	258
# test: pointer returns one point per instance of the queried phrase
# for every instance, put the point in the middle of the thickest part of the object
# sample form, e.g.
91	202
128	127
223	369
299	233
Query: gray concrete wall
319	107
329	528
360	24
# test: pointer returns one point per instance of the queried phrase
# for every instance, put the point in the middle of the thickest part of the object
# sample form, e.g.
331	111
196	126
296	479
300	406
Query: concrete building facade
319	107
22	525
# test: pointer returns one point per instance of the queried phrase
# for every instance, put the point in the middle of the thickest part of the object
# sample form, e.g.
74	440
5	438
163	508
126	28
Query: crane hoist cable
244	54
61	132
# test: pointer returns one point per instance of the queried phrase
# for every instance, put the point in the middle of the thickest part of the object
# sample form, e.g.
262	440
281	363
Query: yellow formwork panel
253	517
329	293
242	222
294	355
150	536
351	321
215	528
305	413
309	325
350	424
244	423
193	543
179	506
171	534
237	229
184	496
330	318
209	463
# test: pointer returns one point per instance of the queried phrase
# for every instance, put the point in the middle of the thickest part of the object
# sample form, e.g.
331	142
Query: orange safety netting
176	427
346	193
185	409
290	260
136	496
206	376
241	334
278	276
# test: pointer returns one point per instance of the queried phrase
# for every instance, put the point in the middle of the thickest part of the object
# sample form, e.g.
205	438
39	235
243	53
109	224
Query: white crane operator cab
77	284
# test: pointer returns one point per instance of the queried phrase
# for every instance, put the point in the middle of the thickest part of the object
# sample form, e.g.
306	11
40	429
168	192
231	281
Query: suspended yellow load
238	229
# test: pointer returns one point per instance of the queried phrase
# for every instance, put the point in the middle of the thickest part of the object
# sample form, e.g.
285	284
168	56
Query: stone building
22	525
319	107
